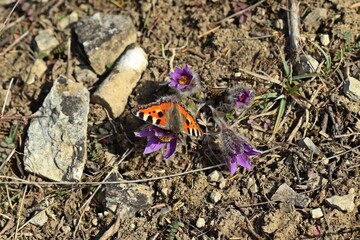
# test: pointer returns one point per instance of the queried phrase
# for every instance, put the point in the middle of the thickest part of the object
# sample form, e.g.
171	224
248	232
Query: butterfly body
169	116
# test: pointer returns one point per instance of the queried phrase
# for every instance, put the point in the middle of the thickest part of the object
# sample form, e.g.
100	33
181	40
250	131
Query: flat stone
307	64
325	39
215	196
114	91
130	198
316	213
45	42
287	195
215	176
200	223
104	38
343	203
308	143
313	19
55	147
352	88
67	21
39	219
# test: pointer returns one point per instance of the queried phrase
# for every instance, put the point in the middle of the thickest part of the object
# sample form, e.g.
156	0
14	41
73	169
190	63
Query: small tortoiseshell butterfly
169	116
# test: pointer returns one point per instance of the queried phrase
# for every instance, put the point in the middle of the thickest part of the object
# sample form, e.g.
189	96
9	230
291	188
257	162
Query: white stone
46	41
279	24
325	39
114	91
352	88
316	213
37	71
215	176
215	196
66	21
200	223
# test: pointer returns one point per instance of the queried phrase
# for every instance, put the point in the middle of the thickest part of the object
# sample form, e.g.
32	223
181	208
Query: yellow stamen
165	139
184	80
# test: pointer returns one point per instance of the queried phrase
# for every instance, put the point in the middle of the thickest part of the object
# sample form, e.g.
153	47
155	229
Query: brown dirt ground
216	56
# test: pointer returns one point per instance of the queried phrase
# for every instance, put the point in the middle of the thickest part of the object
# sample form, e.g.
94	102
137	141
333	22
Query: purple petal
249	150
243	160
175	76
153	145
239	104
171	147
173	83
144	133
178	71
181	86
232	165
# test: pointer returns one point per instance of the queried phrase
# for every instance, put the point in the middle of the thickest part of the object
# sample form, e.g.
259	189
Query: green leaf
280	114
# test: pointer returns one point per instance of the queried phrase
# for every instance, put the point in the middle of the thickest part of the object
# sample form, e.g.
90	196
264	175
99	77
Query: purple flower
181	78
236	149
243	97
157	139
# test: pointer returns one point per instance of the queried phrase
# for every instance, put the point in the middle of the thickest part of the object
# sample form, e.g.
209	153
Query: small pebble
94	221
325	39
215	176
132	226
200	223
279	24
215	196
222	184
316	213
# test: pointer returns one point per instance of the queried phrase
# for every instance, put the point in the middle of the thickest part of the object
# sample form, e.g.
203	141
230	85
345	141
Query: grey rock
56	144
200	223
215	176
313	20
316	213
104	38
287	195
39	219
308	143
114	91
45	42
352	88
85	76
343	203
129	198
215	196
67	21
307	64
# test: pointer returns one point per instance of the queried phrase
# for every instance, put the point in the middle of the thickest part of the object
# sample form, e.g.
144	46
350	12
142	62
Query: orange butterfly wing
190	126
155	113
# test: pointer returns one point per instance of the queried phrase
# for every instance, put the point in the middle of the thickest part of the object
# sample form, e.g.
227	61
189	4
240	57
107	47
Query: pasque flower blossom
157	139
184	81
236	149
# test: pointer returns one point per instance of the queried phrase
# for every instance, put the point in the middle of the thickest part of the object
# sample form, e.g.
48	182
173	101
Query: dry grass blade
262	77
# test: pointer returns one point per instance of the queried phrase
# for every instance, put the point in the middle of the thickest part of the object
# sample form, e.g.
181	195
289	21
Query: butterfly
169	116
